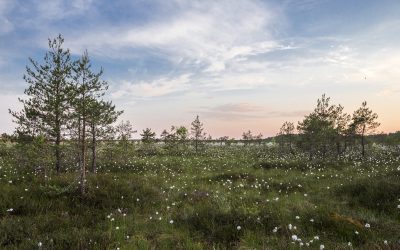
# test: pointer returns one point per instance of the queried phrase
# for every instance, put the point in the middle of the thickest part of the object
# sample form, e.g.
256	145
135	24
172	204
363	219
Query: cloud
8	101
237	108
246	112
5	24
59	9
287	114
209	32
155	88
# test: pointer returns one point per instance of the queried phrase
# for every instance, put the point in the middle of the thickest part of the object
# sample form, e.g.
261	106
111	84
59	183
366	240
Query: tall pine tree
46	109
88	88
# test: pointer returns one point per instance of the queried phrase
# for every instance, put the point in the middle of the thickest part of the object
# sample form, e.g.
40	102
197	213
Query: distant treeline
389	139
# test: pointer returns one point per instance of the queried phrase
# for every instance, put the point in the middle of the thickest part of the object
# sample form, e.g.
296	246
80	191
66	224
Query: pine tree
164	136
341	126
247	136
364	122
88	88
46	109
287	132
125	131
318	128
148	136
101	115
197	132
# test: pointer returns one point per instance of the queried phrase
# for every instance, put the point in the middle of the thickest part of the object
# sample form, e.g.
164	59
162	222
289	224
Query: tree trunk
338	148
78	144
94	166
83	148
290	145
58	152
362	142
83	156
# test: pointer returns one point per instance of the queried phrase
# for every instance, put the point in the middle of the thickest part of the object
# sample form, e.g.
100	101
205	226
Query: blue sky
238	64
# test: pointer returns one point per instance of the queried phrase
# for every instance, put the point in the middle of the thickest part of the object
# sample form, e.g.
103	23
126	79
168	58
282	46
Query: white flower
316	237
321	247
275	230
116	228
238	227
356	232
40	244
10	209
171	222
385	242
367	225
297	217
398	206
294	237
349	244
311	220
290	226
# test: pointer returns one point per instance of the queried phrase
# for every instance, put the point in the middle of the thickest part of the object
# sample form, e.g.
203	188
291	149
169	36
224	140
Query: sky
240	65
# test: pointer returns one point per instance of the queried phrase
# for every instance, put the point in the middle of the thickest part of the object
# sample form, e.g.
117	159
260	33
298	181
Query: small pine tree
148	136
101	117
197	132
364	122
287	132
164	136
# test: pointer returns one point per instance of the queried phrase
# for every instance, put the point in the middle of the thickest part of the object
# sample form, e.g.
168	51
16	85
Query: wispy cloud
144	89
209	32
246	111
52	10
237	107
5	24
